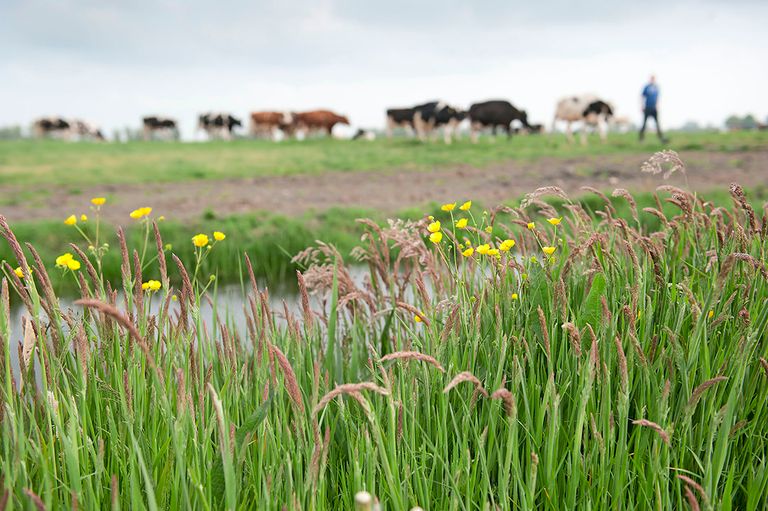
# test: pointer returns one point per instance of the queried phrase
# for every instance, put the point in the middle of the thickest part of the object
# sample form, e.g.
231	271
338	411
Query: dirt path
391	190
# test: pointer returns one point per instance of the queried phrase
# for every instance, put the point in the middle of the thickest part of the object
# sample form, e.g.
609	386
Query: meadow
542	356
53	163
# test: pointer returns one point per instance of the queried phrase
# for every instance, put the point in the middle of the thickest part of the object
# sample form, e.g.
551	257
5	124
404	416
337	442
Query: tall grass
625	371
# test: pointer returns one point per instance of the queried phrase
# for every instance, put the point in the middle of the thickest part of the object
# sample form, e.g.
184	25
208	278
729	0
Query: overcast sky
110	62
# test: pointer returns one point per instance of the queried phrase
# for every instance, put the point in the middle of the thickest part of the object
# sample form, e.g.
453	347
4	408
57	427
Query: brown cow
319	120
263	124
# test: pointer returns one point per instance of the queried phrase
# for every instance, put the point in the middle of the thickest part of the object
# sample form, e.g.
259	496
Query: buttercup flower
200	240
534	260
468	252
71	220
83	217
19	273
489	229
141	212
554	221
466	206
493	252
483	249
548	250
73	264
514	296
417	318
98	201
448	207
710	314
531	225
506	245
62	260
462	223
436	237
434	226
151	285
219	236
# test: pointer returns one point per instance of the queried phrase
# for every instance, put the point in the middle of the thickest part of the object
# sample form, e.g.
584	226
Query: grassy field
602	363
52	163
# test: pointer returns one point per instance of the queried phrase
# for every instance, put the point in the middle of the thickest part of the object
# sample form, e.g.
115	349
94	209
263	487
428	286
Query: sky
112	62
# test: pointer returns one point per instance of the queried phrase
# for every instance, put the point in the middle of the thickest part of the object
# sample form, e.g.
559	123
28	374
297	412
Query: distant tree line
747	122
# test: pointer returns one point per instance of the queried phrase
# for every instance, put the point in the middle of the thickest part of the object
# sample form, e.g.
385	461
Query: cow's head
234	121
203	120
343	120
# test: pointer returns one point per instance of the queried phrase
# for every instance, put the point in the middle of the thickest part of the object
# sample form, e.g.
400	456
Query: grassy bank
596	364
271	240
48	163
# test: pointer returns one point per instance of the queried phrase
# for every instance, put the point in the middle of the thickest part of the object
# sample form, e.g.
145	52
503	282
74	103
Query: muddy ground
386	190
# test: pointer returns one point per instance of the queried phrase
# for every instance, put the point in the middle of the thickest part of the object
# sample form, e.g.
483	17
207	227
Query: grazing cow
496	114
400	118
51	126
432	115
588	109
154	124
363	134
264	124
318	120
218	124
82	130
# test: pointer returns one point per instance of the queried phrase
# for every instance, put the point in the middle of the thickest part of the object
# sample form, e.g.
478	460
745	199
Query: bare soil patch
386	190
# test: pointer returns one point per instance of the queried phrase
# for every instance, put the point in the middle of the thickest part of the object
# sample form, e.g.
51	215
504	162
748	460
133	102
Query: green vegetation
626	371
59	163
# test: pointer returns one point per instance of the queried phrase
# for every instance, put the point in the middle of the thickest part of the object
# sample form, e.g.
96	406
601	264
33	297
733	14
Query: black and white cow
218	125
435	114
51	126
82	130
162	125
496	114
400	118
588	109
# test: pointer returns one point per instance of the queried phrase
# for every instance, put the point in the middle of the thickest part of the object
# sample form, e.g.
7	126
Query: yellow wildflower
506	245
483	249
434	226
200	240
71	220
468	252
417	318
141	212
710	314
19	273
534	260
83	217
151	285
548	250
174	298
489	229
73	264
514	296
531	225
555	221
466	205
462	223
161	218
98	201
448	207
436	237
62	260
219	236
493	252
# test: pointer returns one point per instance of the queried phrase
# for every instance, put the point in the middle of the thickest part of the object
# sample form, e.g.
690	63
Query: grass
270	240
630	372
30	163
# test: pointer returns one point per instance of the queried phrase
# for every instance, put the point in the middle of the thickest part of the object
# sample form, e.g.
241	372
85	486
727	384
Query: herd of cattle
422	121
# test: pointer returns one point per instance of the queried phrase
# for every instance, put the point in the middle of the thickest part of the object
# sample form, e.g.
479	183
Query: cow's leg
584	129
603	126
449	131
474	131
146	133
569	131
508	128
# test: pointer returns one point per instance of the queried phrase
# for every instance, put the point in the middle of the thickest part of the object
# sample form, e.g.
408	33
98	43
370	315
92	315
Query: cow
155	124
318	120
432	115
400	118
51	126
264	124
495	114
82	130
218	124
586	108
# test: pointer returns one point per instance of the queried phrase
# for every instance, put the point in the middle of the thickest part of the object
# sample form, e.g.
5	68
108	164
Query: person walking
650	100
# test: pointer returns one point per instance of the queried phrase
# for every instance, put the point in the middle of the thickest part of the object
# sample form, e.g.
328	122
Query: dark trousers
651	112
